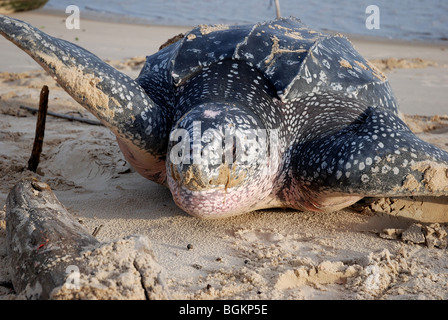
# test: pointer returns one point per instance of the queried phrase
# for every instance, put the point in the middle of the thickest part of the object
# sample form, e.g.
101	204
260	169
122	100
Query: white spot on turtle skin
395	170
336	86
323	165
308	76
322	76
362	166
148	130
385	169
390	158
365	178
405	163
338	174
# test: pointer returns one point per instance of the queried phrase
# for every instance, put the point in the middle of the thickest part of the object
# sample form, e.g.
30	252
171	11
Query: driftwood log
54	257
39	233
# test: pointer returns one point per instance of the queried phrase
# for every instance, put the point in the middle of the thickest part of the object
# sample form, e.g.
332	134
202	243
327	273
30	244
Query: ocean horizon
409	20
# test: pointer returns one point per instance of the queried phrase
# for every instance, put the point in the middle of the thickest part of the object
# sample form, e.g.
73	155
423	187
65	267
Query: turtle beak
215	165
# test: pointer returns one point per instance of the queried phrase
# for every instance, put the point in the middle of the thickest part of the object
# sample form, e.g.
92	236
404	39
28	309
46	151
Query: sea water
396	19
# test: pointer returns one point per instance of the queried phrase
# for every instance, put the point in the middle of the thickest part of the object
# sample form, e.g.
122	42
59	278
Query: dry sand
379	249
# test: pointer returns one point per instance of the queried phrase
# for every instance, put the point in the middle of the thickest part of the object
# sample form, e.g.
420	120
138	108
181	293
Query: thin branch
277	8
33	162
96	230
65	116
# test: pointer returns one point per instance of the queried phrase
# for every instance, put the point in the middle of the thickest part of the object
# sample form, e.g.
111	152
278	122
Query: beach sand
368	251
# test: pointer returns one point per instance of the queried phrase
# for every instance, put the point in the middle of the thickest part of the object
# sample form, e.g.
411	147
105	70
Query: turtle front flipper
115	99
374	155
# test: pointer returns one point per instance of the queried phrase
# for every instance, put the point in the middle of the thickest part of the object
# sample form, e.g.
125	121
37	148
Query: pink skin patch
211	114
220	202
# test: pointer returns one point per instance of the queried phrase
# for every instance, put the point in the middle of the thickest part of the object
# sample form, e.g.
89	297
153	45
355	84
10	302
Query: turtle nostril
234	153
230	157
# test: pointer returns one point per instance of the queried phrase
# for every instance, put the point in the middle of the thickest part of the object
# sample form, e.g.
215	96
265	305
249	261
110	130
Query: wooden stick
33	162
96	230
65	116
277	8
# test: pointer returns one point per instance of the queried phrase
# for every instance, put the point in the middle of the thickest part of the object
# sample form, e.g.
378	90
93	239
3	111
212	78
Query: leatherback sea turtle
239	118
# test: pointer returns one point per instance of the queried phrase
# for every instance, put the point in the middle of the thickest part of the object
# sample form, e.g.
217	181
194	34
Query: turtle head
219	160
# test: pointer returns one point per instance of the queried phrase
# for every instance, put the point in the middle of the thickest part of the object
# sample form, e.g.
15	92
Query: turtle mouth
219	201
218	191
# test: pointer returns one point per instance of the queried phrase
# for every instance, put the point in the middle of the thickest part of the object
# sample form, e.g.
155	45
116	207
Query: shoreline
141	22
355	38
